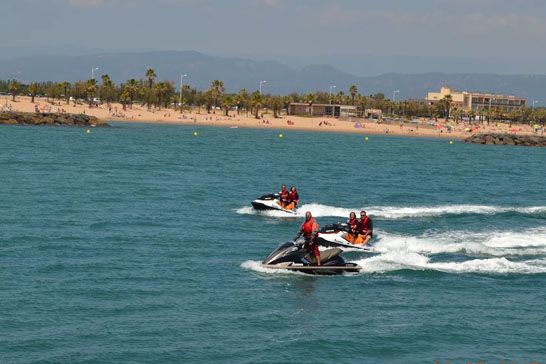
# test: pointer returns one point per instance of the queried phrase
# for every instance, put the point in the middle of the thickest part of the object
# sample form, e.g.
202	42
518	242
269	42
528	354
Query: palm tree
227	103
14	87
91	90
256	102
132	91
107	88
353	91
33	89
217	89
65	86
150	75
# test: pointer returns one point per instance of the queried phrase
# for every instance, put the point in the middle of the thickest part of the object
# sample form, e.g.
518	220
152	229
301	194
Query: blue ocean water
137	243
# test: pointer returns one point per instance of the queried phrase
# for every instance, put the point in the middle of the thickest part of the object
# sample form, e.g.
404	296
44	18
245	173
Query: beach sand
115	113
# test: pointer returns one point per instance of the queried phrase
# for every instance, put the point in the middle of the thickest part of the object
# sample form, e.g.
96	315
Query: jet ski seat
325	255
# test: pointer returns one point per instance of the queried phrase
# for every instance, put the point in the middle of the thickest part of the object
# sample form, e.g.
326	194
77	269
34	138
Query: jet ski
332	235
293	256
270	202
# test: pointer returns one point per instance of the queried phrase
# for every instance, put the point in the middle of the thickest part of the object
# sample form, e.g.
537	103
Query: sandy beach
115	113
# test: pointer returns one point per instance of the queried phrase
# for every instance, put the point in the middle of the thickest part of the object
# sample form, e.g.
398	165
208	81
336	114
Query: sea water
137	243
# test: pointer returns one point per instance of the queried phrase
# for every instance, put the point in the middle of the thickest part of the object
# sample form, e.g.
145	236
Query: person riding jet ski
294	197
365	228
284	200
352	235
309	230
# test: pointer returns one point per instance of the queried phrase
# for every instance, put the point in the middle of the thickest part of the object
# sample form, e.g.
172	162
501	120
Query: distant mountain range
240	73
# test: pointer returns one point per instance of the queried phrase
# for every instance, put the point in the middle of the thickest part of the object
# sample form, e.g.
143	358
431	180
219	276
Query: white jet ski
270	202
332	235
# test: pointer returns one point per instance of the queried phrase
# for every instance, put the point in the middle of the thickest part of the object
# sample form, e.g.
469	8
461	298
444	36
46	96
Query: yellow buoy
194	133
88	131
451	142
280	135
366	138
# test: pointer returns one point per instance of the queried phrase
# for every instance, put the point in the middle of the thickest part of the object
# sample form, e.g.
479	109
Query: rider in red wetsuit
365	227
309	229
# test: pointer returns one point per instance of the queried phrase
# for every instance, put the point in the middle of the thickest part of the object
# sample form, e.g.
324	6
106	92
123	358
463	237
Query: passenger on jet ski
365	228
309	229
352	235
294	197
284	197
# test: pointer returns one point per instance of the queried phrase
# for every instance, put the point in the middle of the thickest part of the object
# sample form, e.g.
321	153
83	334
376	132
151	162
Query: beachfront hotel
477	100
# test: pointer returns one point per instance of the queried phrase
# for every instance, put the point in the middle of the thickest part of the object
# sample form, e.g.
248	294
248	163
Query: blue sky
514	29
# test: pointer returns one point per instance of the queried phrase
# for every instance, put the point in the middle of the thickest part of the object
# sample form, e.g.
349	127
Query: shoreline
140	114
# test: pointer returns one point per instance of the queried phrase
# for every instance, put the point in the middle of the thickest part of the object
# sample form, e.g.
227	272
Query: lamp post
181	80
330	93
93	72
394	99
261	83
394	95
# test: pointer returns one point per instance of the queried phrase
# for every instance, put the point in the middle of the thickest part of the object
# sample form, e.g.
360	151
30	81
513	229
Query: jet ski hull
318	270
332	236
269	205
292	256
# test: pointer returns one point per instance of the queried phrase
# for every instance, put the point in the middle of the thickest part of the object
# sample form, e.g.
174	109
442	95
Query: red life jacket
308	227
284	195
353	224
294	196
365	224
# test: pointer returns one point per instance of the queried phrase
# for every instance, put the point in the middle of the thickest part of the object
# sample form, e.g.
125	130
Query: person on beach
352	236
294	197
309	230
365	228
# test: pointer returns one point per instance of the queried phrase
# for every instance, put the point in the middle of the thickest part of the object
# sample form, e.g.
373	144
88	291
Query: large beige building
478	101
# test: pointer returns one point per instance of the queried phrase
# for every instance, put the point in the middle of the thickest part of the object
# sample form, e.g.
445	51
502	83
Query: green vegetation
164	94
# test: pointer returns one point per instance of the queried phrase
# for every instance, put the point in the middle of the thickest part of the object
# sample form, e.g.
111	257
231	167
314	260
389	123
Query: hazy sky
452	28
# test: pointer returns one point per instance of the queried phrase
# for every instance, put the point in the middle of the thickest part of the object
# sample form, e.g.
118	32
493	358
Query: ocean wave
399	212
401	260
485	252
493	243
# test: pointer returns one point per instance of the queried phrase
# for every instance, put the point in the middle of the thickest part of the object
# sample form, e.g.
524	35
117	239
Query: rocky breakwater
508	139
26	118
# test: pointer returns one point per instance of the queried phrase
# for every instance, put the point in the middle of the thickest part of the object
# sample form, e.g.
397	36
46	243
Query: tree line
151	93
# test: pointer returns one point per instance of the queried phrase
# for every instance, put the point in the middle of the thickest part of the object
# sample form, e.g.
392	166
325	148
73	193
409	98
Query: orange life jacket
308	227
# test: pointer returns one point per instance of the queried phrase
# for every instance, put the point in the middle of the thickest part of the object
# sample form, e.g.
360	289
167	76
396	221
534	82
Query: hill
240	73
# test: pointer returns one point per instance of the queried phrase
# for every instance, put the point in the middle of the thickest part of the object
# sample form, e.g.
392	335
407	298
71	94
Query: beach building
477	100
310	109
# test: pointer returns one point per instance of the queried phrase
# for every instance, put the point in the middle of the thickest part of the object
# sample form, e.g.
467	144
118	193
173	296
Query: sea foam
399	212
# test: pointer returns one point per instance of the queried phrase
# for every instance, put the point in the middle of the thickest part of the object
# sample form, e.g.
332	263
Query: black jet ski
270	202
293	256
332	235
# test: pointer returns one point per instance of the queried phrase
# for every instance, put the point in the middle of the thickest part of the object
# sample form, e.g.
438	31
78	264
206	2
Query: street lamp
181	80
93	72
394	99
394	95
330	93
261	82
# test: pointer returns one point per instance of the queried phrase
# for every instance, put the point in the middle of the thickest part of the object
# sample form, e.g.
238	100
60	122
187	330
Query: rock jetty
26	118
508	139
